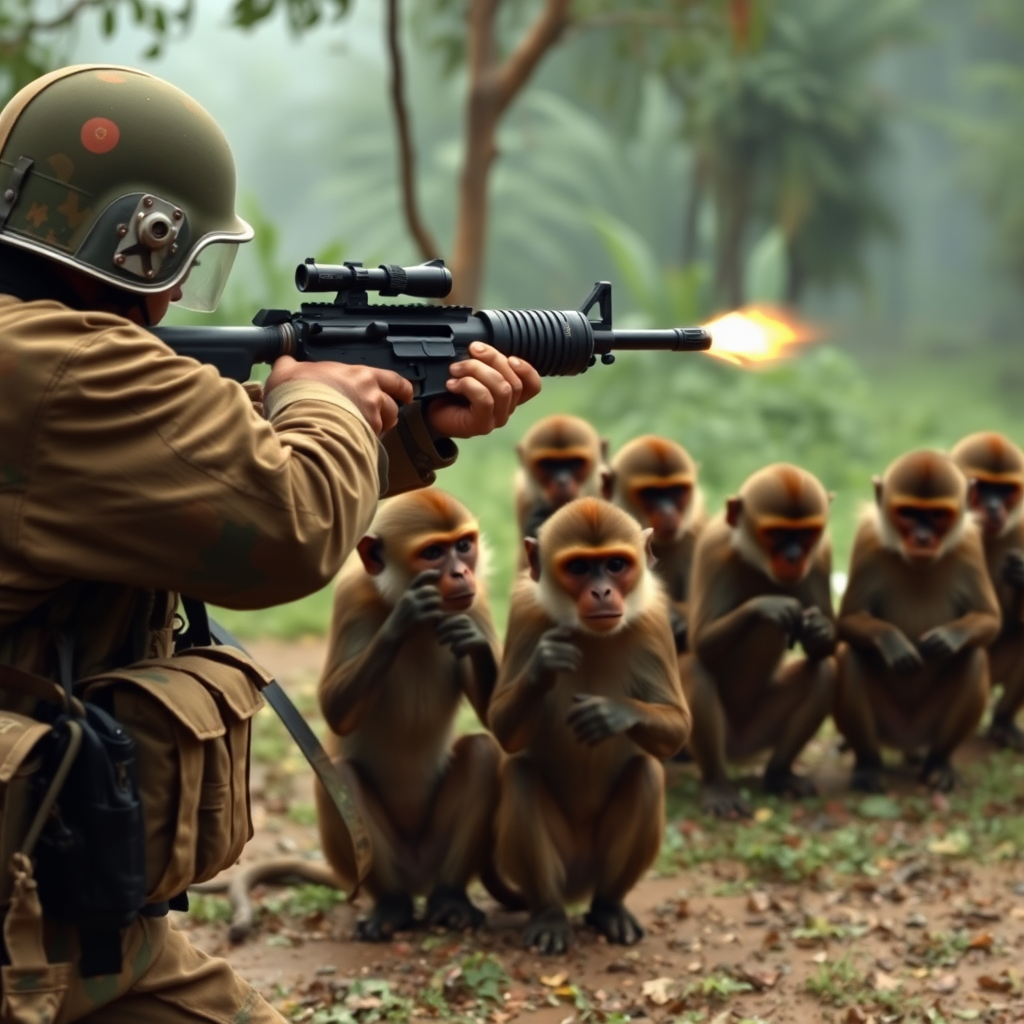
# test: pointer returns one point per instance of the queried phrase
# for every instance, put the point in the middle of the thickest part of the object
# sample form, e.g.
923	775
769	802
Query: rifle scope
431	280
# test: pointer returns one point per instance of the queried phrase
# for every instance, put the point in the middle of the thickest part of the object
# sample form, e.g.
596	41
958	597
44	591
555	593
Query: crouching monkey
916	617
994	466
561	458
587	701
411	633
655	480
760	585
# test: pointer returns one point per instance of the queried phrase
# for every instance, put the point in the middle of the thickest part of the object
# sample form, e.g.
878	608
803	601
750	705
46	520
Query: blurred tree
33	34
995	141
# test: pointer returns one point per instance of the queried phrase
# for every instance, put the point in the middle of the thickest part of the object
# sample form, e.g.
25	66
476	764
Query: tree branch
428	247
520	64
59	20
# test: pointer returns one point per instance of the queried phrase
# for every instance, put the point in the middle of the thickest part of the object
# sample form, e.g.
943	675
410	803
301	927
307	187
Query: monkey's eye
432	553
464	546
674	495
578	567
617	565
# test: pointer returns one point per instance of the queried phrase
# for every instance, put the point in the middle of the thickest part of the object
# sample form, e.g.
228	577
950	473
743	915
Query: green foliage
301	15
208	909
305	901
368	1001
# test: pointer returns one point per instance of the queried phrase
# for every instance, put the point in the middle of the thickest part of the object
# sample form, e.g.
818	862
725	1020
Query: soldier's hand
420	604
486	390
377	394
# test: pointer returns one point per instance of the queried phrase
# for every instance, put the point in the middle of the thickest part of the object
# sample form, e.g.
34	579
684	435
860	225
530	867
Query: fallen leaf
920	972
855	1015
763	814
722	1018
772	939
980	940
954	843
695	966
945	984
759	902
880	807
566	991
820	958
882	982
656	990
682	909
554	980
990	984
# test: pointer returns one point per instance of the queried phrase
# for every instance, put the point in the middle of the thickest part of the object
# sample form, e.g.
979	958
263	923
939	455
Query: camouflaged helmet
122	176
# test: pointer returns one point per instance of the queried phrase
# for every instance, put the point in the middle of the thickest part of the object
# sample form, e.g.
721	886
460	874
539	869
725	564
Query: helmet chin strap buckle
149	238
9	198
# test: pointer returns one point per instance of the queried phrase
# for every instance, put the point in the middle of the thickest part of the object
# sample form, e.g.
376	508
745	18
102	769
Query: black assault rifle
418	341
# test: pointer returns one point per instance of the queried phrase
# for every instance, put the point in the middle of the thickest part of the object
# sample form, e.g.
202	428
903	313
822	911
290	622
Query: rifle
418	341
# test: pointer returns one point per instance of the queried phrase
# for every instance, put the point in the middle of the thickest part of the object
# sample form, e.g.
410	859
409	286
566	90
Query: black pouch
90	856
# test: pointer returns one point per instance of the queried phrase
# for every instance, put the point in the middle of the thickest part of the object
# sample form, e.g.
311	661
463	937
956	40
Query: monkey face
598	583
664	508
789	550
561	478
922	529
456	561
994	504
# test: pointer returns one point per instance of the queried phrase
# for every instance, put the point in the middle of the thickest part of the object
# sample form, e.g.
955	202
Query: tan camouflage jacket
145	474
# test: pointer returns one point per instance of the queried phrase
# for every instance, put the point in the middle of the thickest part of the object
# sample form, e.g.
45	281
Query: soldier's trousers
164	979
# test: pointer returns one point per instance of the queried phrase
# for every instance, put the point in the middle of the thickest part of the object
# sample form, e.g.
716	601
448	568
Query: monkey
760	584
560	458
587	703
994	465
655	480
918	612
411	633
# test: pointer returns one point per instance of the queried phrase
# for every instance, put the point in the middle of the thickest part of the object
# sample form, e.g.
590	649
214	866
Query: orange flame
757	335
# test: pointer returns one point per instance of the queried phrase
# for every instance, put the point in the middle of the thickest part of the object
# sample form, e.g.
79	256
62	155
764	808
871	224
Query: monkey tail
496	886
238	885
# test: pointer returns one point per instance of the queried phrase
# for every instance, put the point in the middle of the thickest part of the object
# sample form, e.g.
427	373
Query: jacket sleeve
149	469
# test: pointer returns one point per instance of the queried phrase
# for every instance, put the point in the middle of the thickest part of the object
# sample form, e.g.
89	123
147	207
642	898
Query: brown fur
554	436
993	458
746	696
428	802
648	461
578	819
938	705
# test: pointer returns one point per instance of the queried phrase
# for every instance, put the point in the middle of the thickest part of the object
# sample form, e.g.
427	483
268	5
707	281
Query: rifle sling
311	748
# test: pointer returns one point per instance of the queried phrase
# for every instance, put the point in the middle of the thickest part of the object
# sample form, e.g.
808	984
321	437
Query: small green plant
302	814
837	982
718	986
304	901
208	909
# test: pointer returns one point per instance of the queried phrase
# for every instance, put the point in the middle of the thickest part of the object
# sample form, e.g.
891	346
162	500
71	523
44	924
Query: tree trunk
691	217
733	202
492	87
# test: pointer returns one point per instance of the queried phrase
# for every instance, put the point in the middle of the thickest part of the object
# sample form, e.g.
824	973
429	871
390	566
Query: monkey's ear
607	484
876	482
648	536
604	449
371	551
733	511
533	557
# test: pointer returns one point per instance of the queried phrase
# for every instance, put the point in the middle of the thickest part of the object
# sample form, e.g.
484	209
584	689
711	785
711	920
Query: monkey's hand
898	653
420	604
817	634
1013	569
596	718
941	644
555	652
461	634
786	612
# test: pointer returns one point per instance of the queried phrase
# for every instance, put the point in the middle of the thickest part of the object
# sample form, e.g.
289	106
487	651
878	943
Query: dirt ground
929	926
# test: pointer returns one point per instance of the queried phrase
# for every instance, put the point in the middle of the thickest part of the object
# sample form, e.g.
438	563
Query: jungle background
859	162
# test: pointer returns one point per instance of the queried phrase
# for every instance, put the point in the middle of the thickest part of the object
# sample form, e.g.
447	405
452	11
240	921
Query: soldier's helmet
122	176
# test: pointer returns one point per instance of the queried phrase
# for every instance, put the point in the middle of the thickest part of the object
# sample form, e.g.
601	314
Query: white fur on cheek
556	602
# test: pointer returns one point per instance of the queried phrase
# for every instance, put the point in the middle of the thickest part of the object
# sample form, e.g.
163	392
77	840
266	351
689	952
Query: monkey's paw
391	913
614	922
1006	734
939	775
722	800
451	908
549	932
785	782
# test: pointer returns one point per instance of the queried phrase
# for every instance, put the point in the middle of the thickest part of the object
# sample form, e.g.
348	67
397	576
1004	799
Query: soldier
129	474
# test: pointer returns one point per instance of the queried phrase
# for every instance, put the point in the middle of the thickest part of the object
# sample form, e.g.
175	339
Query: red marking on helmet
112	77
100	135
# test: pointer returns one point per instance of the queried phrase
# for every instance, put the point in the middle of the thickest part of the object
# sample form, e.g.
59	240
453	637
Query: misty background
858	161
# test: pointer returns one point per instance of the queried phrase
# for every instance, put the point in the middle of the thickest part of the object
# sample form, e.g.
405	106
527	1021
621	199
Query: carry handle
57	783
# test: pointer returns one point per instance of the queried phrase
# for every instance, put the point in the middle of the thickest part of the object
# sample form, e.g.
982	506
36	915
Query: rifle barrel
673	339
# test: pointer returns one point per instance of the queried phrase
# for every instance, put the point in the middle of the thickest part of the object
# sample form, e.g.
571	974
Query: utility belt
117	793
